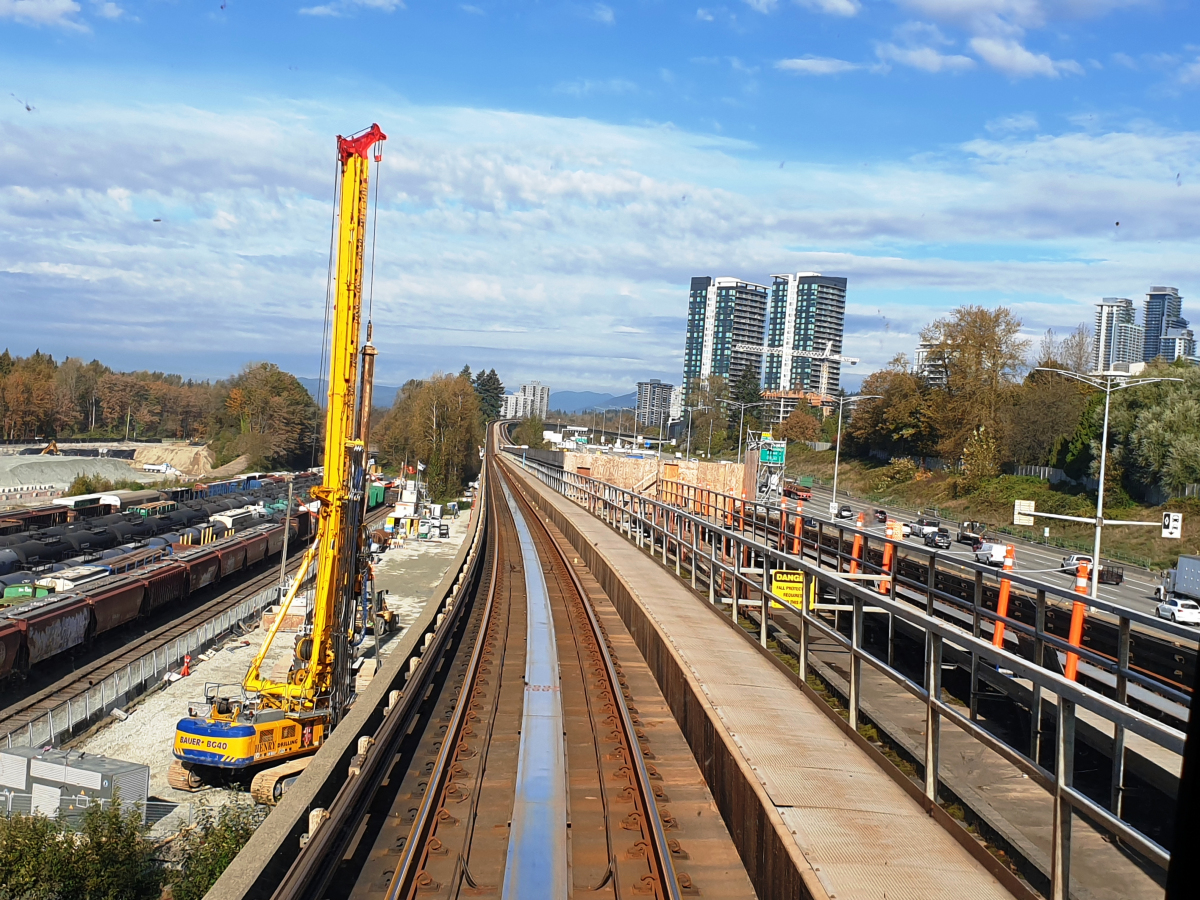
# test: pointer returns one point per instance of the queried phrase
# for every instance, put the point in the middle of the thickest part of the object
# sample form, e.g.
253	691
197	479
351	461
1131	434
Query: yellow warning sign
790	587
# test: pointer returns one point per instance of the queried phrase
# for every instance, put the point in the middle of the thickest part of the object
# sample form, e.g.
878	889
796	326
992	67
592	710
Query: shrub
208	850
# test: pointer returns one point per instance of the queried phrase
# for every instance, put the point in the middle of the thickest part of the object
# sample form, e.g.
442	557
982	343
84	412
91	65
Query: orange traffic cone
856	552
1078	611
187	667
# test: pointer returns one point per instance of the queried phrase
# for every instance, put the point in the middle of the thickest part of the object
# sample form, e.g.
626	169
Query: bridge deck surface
863	835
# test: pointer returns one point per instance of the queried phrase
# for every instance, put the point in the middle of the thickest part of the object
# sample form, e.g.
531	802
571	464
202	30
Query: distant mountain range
586	401
383	395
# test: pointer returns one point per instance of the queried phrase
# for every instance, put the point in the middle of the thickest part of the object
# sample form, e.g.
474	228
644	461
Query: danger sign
790	587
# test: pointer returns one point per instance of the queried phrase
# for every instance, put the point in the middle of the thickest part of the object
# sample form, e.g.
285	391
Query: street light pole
837	447
1113	381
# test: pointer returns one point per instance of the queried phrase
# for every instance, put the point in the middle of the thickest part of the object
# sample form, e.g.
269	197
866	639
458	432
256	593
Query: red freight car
53	625
10	645
165	581
255	541
233	555
203	565
116	600
275	540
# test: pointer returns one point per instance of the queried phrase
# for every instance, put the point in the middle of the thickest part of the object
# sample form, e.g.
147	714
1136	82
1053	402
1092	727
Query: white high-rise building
654	402
533	399
1119	340
808	315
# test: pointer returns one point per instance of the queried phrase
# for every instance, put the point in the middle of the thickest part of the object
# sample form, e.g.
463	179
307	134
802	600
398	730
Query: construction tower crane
785	376
271	722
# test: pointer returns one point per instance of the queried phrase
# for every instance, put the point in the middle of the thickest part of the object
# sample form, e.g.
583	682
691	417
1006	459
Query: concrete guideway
854	831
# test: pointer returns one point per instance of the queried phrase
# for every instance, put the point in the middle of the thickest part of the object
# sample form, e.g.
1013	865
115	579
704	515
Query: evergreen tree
490	391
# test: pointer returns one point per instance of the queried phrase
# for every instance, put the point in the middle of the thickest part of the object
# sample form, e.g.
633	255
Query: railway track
75	688
517	767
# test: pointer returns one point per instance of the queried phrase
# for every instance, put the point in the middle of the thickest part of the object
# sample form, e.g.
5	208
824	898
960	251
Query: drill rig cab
270	728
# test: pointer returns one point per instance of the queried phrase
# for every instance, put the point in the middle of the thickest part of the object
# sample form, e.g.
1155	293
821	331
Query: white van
991	554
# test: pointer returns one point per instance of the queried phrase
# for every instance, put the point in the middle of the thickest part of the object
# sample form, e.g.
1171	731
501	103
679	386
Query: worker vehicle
939	539
991	554
970	532
269	729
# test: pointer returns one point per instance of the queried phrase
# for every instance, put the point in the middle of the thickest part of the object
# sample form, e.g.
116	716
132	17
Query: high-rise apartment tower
723	312
1164	310
1118	340
808	313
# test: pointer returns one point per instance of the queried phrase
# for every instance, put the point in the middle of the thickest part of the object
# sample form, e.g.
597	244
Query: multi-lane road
1136	592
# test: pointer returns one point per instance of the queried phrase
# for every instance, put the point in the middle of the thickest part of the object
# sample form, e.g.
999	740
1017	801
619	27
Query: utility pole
837	452
287	520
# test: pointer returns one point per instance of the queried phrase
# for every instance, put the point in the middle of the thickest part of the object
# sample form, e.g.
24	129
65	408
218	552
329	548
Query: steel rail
316	863
408	868
658	838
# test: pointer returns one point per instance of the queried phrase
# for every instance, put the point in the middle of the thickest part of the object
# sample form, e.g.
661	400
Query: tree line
986	400
262	412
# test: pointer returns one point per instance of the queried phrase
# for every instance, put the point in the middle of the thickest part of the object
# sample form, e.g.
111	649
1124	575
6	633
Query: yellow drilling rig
271	728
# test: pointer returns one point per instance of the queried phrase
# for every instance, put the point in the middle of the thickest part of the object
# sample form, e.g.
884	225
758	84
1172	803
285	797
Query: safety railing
738	566
60	722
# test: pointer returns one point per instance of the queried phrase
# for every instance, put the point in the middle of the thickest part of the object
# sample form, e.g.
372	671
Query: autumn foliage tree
435	421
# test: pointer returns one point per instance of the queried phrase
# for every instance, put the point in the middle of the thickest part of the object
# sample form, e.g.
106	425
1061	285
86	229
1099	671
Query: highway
1137	591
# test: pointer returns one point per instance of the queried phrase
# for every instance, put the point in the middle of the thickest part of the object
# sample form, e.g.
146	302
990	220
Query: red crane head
357	145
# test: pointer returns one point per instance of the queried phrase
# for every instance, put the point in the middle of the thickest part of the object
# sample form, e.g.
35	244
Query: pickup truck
797	490
924	526
1107	575
971	532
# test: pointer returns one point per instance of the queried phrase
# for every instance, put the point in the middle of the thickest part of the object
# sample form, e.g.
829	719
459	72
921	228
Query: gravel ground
60	471
408	572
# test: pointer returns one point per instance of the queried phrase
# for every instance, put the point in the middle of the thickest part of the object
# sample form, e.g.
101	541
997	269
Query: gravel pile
60	471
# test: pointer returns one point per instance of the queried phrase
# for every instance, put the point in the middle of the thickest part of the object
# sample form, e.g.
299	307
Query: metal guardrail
113	691
712	554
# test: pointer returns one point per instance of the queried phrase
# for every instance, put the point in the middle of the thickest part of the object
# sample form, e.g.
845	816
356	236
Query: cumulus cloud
833	7
1011	58
816	65
1190	73
551	235
41	12
1013	124
704	15
927	59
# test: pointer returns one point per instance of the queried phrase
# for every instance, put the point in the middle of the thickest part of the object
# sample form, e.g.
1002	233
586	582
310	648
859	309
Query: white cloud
833	7
816	65
41	12
925	58
586	86
1124	59
762	6
1190	74
108	10
550	233
1013	124
344	6
1011	58
704	15
473	10
602	13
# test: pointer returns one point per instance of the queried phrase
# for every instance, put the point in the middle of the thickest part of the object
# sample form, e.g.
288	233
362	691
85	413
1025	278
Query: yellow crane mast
272	722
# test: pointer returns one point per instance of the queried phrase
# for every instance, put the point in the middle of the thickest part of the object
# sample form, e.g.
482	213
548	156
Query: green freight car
375	495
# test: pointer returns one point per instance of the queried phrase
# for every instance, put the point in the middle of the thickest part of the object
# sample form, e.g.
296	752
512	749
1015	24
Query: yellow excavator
270	729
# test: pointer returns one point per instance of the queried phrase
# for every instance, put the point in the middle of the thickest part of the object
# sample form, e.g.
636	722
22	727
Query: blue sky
556	171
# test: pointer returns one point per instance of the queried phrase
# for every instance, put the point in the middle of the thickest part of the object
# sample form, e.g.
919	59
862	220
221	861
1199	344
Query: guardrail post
1039	648
712	568
678	544
1064	772
1117	801
976	630
766	601
694	560
856	637
737	584
805	613
933	718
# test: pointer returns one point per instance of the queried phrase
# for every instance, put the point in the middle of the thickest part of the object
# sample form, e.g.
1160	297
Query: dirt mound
60	471
192	461
237	467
